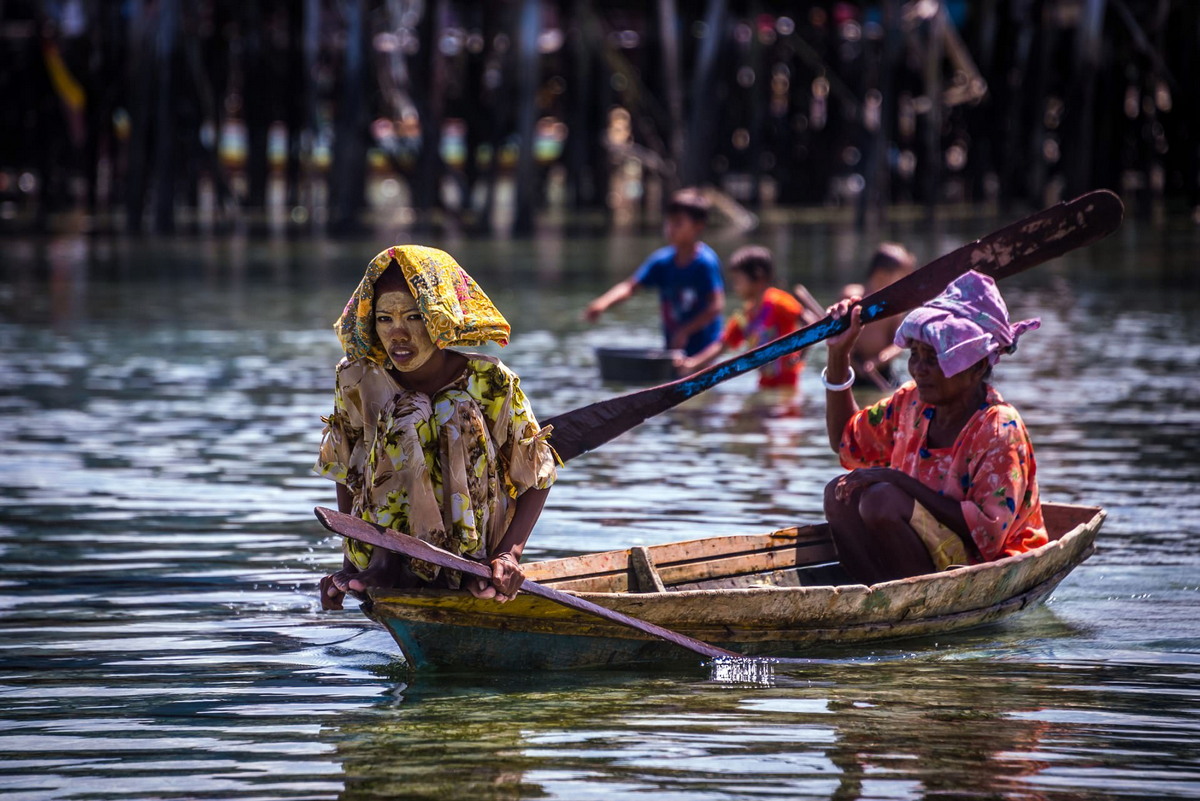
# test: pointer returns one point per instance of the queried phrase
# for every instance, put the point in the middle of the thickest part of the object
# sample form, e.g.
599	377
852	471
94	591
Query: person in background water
767	313
427	440
942	471
874	352
687	273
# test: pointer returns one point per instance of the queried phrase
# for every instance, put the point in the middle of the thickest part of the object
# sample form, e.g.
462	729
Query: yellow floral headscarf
456	310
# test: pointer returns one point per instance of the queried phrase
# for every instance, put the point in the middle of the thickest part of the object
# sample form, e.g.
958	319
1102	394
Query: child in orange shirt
767	313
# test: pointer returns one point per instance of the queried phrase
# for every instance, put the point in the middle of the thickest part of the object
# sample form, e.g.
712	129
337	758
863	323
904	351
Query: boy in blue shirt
687	273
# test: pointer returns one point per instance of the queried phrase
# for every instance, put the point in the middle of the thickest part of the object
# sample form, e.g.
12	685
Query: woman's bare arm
840	406
506	556
617	294
344	501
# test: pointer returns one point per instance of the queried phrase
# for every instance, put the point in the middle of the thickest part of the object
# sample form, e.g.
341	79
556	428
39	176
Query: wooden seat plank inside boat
693	564
648	577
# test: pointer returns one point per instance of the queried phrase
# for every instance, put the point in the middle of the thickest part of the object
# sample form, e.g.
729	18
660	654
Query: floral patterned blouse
446	468
989	469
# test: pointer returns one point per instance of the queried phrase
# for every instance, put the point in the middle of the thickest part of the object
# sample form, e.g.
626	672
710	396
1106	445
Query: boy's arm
870	363
686	365
716	305
891	350
886	355
617	294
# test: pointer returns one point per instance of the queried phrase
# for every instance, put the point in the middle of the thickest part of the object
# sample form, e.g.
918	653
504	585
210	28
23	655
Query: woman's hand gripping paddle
1024	244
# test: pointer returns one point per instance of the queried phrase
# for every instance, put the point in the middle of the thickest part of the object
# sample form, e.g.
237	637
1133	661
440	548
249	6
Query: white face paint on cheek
401	330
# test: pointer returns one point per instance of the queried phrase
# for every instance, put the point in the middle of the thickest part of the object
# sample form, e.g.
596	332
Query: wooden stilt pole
164	142
527	84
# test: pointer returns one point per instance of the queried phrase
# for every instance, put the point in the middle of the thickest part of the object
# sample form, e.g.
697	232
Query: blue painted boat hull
432	646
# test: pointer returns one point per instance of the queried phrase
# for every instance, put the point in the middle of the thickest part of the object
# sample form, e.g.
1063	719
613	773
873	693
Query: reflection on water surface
160	637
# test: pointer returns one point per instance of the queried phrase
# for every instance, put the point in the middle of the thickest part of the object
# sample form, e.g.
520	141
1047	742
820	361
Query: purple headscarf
966	323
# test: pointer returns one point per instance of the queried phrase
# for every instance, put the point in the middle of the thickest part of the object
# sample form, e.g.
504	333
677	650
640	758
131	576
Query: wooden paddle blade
1017	247
1026	243
365	531
588	427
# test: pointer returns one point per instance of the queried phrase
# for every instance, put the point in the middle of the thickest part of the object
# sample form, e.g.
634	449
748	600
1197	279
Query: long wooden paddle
364	531
1015	248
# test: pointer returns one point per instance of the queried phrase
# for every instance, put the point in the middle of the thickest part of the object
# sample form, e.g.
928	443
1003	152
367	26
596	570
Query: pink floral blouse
990	469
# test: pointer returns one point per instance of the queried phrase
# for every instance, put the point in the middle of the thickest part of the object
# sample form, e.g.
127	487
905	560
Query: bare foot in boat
386	569
333	588
331	593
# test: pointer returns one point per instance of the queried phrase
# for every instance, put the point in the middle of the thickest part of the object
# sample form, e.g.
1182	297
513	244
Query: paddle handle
365	531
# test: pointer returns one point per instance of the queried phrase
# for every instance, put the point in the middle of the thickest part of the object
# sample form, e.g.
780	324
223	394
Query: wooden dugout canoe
757	594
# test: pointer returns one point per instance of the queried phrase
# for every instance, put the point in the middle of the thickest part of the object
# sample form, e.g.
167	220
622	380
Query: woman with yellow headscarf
434	442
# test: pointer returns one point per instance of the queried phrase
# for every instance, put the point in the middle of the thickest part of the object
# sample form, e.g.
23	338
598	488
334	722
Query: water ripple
159	635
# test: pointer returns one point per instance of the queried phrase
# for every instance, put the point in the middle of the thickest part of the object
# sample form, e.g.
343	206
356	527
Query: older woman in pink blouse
942	471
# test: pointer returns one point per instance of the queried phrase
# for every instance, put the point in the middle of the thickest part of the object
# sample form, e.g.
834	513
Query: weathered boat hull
745	593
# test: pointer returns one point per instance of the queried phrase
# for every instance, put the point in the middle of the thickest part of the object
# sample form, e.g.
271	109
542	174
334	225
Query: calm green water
159	636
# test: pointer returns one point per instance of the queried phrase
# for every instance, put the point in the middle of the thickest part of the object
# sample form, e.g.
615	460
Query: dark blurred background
338	115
